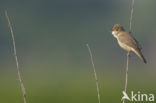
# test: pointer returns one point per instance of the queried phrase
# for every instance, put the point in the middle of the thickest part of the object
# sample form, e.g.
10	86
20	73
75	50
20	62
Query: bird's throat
115	33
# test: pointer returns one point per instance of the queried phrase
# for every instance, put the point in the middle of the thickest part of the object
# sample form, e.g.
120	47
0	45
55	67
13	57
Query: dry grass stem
126	78
15	55
131	17
130	30
95	75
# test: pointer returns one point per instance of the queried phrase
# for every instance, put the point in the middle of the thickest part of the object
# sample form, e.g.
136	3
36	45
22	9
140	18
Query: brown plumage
126	41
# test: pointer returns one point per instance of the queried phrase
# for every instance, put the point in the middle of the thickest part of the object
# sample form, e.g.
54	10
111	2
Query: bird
127	41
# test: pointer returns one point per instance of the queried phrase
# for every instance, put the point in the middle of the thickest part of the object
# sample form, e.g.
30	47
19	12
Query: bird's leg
128	54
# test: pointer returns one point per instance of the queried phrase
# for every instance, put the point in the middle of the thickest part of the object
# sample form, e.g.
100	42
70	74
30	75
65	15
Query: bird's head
116	29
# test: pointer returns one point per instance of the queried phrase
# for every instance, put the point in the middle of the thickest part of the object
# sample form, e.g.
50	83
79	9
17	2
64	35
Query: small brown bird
127	41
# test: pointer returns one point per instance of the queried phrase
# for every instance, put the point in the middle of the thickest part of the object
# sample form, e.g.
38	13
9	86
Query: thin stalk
16	59
131	17
130	30
95	75
126	78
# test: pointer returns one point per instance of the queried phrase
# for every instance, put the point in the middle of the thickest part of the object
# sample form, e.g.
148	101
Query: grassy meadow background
51	37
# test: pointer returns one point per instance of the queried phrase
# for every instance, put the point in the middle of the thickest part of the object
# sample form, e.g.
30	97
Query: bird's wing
127	39
138	44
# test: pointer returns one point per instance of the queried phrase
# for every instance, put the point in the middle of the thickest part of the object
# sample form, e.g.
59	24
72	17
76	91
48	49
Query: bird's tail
141	56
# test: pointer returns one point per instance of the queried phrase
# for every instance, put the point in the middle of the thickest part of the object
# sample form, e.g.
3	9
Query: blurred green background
51	37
